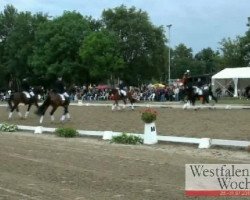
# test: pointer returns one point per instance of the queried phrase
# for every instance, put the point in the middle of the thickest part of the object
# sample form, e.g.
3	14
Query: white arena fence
107	135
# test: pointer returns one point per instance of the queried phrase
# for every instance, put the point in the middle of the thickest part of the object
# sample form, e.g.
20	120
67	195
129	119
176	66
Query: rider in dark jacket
122	88
186	79
59	87
25	85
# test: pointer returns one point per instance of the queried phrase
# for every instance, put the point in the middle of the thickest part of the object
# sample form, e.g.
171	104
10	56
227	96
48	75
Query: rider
26	88
122	87
199	83
199	86
186	79
60	88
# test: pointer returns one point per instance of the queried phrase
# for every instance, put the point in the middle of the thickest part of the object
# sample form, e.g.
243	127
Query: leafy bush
8	127
127	139
148	115
66	132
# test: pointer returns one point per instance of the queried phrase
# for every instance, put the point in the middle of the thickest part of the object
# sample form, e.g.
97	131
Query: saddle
63	96
27	94
122	93
198	90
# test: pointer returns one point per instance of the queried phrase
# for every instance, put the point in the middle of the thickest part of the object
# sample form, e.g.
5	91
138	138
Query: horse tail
41	109
10	100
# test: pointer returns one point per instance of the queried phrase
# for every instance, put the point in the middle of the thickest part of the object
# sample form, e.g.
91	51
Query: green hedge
8	127
66	132
127	139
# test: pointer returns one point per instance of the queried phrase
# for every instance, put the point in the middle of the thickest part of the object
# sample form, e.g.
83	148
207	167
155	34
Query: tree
17	40
141	44
245	48
57	47
208	61
7	23
100	53
182	60
231	53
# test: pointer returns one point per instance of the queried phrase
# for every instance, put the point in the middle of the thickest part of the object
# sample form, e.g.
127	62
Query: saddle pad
26	94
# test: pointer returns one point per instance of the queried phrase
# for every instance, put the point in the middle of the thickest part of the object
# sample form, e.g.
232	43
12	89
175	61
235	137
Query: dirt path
218	123
44	167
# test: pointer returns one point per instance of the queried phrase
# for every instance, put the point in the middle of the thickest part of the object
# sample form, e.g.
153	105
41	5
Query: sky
198	24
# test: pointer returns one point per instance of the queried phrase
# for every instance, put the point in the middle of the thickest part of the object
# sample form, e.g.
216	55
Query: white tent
239	78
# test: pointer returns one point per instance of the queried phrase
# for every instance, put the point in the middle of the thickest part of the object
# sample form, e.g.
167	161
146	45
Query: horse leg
132	106
207	99
12	108
15	107
191	102
115	105
125	103
204	99
27	112
214	98
42	114
52	113
65	112
132	103
19	113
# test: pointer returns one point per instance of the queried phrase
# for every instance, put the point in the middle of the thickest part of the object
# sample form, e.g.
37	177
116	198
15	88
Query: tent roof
227	73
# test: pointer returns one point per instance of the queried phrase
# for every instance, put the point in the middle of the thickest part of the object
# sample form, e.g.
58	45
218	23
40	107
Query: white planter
150	134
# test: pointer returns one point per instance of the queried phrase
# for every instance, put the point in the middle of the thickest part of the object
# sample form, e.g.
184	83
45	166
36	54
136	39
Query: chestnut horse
116	96
25	98
55	100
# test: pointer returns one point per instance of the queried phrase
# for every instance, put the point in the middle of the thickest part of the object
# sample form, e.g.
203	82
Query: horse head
38	91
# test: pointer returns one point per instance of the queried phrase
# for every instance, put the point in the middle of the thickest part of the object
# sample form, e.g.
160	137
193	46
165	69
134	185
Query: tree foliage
57	47
100	53
17	41
231	52
122	44
141	43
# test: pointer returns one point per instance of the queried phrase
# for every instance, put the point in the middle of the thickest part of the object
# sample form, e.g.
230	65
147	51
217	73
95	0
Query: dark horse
55	100
116	96
25	98
247	92
193	93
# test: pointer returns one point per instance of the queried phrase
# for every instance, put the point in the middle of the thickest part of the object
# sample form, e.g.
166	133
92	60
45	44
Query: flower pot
150	134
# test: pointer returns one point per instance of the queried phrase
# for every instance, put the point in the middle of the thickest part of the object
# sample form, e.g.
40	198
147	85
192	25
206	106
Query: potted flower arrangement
148	115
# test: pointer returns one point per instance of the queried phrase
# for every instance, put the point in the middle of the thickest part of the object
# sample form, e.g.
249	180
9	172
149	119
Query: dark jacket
59	87
122	86
25	86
